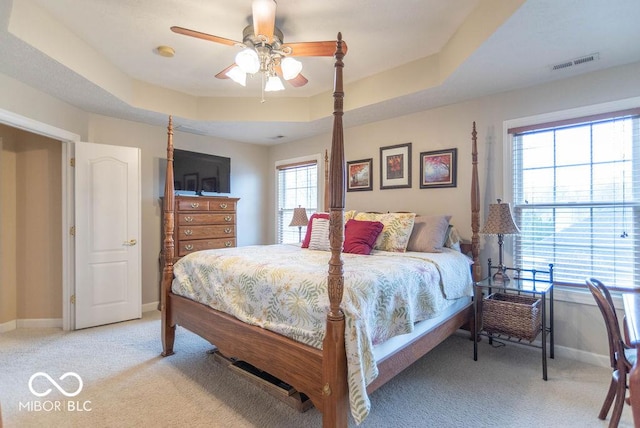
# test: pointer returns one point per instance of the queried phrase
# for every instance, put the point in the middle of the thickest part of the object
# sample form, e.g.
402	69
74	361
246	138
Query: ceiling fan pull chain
262	88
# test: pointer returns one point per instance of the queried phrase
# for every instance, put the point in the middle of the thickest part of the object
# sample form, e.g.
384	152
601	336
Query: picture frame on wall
395	166
360	175
438	168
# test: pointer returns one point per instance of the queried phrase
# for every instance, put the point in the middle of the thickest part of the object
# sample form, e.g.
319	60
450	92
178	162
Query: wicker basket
513	315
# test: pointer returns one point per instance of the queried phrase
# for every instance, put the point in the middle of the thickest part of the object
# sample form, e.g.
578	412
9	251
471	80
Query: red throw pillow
307	236
360	236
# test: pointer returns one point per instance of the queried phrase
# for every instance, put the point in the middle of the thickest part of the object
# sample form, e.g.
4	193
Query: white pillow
319	235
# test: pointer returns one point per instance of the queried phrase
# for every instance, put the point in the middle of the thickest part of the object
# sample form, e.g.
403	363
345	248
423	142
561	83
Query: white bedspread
283	288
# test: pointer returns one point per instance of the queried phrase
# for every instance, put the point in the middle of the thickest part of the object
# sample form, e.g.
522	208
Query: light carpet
126	383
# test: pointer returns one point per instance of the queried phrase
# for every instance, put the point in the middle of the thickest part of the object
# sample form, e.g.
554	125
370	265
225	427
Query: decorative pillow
348	215
307	235
429	233
452	238
319	235
360	236
396	232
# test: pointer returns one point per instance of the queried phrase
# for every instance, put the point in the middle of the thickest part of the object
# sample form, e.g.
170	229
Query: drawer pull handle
227	218
223	205
227	230
227	244
188	247
188	219
188	232
195	204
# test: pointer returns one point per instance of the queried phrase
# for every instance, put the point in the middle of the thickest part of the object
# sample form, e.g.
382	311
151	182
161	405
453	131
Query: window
297	185
576	198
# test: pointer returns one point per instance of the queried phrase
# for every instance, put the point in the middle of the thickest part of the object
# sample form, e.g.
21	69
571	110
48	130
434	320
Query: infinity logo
54	383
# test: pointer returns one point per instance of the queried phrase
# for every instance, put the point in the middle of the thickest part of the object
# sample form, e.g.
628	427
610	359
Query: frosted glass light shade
237	75
291	67
274	84
248	61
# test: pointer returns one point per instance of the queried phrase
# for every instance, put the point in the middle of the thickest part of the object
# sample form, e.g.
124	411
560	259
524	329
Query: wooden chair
622	356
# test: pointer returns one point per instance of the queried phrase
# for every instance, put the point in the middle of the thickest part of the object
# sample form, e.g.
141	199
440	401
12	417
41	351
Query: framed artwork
209	184
190	181
395	166
360	175
438	168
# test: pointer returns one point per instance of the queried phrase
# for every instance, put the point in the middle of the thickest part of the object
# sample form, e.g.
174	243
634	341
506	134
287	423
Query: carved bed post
475	208
168	249
335	390
326	182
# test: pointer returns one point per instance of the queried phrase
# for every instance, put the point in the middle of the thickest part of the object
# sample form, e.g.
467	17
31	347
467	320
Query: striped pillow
319	235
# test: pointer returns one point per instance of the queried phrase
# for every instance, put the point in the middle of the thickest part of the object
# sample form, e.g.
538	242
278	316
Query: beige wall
31	226
578	323
248	169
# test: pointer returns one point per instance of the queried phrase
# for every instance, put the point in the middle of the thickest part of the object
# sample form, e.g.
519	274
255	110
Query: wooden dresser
203	223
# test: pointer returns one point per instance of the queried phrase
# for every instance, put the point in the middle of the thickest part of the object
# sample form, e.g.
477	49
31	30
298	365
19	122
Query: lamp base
500	277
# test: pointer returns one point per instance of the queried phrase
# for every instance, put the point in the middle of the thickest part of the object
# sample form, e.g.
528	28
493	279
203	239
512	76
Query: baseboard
561	352
8	326
150	307
39	323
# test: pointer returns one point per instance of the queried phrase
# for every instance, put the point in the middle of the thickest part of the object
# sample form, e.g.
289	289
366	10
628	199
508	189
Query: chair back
605	304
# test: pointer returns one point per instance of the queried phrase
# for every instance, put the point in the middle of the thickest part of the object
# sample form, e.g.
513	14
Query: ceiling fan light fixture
237	75
291	67
273	84
248	61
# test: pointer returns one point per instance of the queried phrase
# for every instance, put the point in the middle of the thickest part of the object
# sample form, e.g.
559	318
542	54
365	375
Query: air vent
578	61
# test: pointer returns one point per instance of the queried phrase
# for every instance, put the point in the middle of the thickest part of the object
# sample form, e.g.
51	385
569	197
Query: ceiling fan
264	50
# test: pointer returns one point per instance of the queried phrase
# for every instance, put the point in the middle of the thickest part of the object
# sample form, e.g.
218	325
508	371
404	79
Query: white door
107	234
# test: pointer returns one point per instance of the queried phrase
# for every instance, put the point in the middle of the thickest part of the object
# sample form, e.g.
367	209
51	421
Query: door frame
67	139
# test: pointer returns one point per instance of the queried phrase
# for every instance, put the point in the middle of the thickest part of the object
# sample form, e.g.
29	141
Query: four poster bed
329	354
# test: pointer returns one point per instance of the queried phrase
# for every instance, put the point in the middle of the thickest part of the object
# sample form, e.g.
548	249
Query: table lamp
500	222
299	219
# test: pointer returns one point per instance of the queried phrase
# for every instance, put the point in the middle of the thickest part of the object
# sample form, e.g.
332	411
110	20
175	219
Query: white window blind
577	198
297	186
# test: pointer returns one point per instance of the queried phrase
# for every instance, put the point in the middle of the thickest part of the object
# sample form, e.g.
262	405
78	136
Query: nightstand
519	310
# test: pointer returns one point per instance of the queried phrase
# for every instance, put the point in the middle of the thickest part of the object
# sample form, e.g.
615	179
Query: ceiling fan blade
327	48
204	36
264	18
223	73
296	82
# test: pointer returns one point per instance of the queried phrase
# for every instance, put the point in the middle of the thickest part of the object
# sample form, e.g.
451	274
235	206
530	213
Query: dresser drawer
195	204
186	247
199	219
222	205
204	232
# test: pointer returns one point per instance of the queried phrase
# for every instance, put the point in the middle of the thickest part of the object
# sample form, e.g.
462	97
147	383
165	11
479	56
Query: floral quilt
283	288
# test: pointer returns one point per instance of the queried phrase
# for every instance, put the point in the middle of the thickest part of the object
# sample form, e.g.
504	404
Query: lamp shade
500	221
237	75
291	67
274	84
299	217
248	61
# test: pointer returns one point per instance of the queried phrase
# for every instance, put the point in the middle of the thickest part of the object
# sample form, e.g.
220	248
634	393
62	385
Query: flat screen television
201	173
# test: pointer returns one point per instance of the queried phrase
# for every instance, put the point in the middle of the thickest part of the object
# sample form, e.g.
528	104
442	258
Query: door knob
130	243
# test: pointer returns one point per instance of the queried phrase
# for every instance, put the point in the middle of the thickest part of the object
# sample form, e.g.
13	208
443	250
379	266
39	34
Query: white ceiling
383	37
